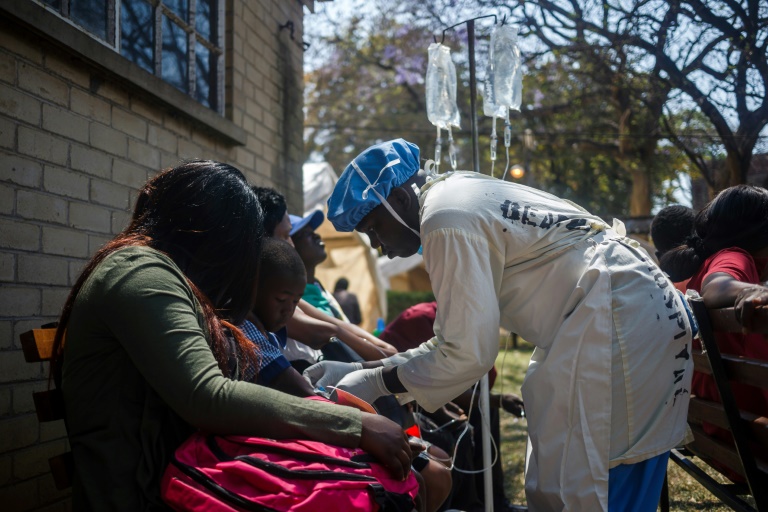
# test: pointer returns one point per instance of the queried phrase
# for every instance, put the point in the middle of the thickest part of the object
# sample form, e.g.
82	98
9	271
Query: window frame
102	61
216	46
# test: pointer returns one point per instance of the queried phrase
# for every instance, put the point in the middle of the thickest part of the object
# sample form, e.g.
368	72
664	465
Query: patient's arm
290	381
313	332
312	327
720	289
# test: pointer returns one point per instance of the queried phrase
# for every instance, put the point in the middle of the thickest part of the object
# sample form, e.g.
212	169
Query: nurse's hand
388	443
365	384
328	373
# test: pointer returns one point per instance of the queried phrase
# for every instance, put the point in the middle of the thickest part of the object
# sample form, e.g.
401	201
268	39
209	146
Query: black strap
224	494
389	501
295	454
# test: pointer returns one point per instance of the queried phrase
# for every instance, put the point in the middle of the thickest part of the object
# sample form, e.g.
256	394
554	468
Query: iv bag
442	110
507	71
489	98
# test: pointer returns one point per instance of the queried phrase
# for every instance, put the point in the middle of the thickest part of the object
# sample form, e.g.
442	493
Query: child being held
281	283
282	278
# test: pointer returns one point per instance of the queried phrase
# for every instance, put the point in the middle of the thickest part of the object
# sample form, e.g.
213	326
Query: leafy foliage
368	88
711	53
611	118
398	301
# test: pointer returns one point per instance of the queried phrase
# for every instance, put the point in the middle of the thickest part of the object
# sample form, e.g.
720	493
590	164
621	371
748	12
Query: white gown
609	379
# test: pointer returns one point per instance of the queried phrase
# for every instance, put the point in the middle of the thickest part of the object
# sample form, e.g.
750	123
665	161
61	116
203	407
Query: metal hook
465	21
289	25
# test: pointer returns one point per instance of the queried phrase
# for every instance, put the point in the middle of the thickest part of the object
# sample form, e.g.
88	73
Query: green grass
685	493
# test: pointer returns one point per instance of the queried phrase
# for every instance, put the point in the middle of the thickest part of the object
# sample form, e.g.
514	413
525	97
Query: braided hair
204	216
736	217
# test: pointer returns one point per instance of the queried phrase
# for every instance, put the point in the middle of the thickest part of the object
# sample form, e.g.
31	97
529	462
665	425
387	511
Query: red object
740	265
413	431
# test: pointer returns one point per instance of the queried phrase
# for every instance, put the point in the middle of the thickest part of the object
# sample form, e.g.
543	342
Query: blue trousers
637	487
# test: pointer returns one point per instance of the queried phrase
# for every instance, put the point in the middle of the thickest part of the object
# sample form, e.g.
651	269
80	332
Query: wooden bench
37	346
745	453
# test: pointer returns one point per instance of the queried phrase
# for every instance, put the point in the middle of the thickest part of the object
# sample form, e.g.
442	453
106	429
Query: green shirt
139	377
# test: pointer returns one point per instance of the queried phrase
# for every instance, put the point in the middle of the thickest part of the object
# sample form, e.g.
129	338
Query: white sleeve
465	271
409	354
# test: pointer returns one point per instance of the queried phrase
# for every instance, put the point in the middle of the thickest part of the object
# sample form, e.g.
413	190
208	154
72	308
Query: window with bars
181	41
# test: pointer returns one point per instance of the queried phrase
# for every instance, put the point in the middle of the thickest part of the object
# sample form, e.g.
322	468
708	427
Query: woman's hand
388	443
746	301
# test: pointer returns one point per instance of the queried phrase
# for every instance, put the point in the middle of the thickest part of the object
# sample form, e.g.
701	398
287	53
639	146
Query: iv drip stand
472	83
484	404
473	96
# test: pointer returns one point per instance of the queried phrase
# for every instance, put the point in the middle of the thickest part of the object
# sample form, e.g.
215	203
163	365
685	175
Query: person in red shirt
726	255
725	258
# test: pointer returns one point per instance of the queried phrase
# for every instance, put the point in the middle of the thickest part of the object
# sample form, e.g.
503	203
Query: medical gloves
328	373
365	384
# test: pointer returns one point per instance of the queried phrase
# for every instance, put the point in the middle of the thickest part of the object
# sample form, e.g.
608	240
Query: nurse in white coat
606	392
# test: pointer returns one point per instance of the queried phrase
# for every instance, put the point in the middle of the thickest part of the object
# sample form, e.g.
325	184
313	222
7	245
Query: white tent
349	254
389	268
319	180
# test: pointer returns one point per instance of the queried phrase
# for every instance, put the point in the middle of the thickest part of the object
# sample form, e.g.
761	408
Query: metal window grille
180	41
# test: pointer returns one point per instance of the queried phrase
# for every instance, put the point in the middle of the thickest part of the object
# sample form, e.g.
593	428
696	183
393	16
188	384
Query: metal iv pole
485	409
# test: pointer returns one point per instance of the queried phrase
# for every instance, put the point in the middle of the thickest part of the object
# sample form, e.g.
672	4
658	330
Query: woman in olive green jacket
147	359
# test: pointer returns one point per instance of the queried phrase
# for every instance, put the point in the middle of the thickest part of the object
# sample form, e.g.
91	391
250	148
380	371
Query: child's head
282	279
670	227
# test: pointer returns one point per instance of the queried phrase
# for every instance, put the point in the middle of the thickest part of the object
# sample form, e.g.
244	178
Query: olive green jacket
138	377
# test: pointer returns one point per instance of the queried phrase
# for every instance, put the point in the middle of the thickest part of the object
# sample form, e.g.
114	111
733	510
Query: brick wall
76	141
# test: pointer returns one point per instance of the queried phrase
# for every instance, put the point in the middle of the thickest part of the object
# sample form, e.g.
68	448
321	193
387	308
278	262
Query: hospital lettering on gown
528	215
674	314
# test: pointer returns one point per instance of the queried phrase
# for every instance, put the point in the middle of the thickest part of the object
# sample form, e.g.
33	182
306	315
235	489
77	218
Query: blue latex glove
328	373
365	384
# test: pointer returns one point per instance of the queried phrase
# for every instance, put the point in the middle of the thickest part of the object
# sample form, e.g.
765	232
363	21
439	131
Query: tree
365	81
714	52
368	86
595	144
589	147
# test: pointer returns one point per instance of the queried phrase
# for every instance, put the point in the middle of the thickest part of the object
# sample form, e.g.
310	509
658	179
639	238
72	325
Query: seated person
725	259
145	362
280	286
669	229
309	329
311	248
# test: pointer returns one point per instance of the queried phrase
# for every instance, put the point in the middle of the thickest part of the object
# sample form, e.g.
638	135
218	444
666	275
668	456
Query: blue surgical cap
352	198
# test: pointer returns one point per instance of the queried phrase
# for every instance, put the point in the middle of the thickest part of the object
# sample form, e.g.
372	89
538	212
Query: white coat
609	379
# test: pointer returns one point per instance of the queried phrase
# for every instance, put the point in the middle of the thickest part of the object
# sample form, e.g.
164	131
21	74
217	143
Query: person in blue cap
309	244
606	392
